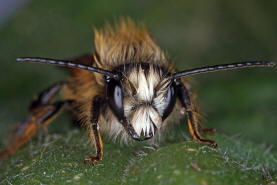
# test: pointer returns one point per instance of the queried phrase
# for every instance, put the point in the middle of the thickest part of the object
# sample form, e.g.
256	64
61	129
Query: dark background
193	33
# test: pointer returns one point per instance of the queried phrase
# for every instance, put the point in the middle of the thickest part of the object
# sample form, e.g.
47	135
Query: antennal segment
68	64
222	67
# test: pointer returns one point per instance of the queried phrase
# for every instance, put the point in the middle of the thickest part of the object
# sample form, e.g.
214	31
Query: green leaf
58	159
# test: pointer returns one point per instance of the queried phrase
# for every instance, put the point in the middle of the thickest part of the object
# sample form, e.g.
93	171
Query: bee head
144	97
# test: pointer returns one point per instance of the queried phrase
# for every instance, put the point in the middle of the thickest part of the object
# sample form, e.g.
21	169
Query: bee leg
194	126
41	113
94	130
47	96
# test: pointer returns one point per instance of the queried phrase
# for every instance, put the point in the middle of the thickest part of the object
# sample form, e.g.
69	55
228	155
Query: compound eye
115	98
170	101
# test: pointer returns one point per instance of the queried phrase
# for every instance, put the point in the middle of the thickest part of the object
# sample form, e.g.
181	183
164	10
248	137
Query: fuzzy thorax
126	43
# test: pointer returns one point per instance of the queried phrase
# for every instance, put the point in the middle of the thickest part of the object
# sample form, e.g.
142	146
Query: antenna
222	67
66	63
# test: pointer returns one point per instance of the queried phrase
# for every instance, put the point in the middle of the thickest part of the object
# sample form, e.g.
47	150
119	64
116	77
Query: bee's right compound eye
170	101
115	98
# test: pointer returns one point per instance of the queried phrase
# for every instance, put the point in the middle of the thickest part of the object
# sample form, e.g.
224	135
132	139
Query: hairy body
128	88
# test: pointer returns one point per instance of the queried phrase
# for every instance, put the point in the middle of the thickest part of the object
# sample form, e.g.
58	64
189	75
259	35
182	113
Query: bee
128	88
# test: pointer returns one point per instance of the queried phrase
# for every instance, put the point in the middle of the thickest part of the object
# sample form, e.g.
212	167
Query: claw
214	144
92	160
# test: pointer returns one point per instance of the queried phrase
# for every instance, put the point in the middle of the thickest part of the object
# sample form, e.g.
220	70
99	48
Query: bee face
145	96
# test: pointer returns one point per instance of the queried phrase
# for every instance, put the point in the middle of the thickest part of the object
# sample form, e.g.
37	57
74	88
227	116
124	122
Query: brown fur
123	44
127	43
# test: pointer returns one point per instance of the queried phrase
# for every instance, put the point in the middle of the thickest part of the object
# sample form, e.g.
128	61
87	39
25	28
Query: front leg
194	126
94	130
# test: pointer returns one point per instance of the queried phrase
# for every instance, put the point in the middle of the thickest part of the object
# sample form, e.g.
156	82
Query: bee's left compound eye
115	98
